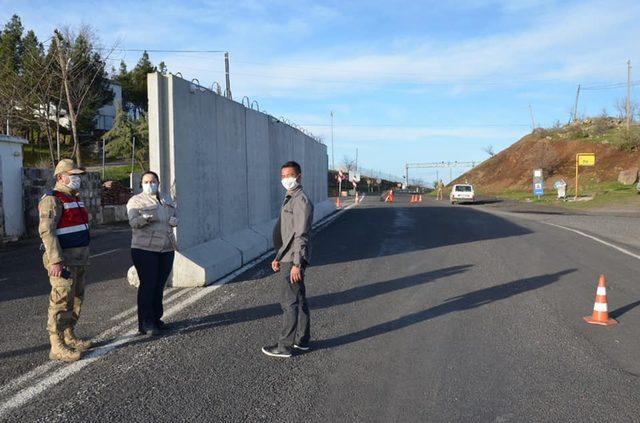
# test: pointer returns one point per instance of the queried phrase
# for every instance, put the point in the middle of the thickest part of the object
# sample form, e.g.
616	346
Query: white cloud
587	42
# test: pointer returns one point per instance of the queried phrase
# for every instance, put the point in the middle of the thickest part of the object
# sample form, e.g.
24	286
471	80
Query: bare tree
489	150
349	163
82	73
621	108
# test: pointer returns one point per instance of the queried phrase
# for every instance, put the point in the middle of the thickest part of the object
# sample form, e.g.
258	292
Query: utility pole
356	159
406	174
628	94
333	162
227	91
103	156
133	155
533	122
575	107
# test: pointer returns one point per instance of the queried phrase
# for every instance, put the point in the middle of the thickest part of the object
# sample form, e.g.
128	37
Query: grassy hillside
509	173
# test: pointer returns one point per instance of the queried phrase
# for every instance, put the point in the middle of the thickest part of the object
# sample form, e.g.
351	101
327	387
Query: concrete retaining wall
222	161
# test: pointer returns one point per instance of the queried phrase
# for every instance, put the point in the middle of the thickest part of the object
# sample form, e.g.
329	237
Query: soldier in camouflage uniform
64	229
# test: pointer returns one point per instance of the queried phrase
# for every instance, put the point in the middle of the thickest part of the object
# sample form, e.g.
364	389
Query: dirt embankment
512	168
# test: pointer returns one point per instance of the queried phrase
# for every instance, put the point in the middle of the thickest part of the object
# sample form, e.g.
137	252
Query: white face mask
74	182
290	183
151	188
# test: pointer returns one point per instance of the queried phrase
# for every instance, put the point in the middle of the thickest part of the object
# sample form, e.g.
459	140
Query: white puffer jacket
154	233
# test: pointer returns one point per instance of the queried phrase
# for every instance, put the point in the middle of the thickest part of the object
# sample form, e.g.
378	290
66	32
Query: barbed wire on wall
246	102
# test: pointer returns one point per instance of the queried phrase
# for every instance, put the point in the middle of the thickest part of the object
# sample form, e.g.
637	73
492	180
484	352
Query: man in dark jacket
291	239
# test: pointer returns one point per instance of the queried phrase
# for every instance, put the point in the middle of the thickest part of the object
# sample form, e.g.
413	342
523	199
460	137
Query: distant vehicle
462	193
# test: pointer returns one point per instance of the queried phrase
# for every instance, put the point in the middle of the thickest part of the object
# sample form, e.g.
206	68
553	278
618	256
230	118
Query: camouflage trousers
66	299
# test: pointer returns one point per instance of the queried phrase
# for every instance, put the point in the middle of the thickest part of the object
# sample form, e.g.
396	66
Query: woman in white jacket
152	216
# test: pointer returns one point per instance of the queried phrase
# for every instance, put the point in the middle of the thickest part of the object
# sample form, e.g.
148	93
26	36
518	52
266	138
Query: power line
610	86
142	50
377	125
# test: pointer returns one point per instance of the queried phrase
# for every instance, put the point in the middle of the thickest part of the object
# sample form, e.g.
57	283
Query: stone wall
2	231
36	182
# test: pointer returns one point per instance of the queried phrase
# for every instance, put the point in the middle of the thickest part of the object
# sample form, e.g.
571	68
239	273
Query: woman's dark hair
294	165
149	172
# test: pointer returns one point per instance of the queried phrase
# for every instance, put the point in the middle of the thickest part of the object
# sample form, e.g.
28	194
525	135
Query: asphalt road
422	312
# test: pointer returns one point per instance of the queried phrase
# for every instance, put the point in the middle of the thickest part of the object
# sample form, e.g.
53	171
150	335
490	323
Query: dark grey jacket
291	235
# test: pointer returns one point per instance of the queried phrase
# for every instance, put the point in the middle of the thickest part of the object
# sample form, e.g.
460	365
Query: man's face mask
290	183
74	182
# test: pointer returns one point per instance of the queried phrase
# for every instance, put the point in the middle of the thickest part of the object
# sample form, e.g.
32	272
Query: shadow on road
24	276
381	231
22	351
318	302
463	302
615	314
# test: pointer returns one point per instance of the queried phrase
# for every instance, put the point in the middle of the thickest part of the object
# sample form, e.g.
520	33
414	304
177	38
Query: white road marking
181	292
29	375
608	244
28	393
105	253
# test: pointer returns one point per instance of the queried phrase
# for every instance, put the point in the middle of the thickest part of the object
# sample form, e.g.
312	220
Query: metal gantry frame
435	165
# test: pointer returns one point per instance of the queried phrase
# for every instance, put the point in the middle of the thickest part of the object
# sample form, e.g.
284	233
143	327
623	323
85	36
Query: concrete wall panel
232	165
281	148
259	175
222	161
195	160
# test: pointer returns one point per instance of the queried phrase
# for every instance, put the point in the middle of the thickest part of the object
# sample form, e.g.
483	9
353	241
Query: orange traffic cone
413	199
600	314
390	197
420	198
338	203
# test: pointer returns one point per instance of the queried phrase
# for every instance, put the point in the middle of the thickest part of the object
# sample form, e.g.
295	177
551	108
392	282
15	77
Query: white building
11	185
107	114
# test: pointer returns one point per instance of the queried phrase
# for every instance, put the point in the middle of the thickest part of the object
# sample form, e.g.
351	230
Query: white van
462	193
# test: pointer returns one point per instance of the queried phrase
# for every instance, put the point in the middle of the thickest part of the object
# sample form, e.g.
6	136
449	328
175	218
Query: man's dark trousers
293	300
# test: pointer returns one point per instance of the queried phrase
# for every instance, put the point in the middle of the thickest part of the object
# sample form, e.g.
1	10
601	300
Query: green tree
10	55
138	79
162	68
119	140
124	79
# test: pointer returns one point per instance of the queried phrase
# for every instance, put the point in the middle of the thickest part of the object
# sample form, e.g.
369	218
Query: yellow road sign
586	159
583	159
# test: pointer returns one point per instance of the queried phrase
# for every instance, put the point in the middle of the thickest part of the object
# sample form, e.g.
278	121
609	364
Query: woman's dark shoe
162	325
152	330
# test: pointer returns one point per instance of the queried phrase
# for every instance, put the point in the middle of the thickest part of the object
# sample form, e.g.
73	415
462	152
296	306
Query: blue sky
408	81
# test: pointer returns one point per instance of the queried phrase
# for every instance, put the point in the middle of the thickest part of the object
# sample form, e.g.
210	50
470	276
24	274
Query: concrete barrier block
322	210
250	243
205	263
266	230
134	280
